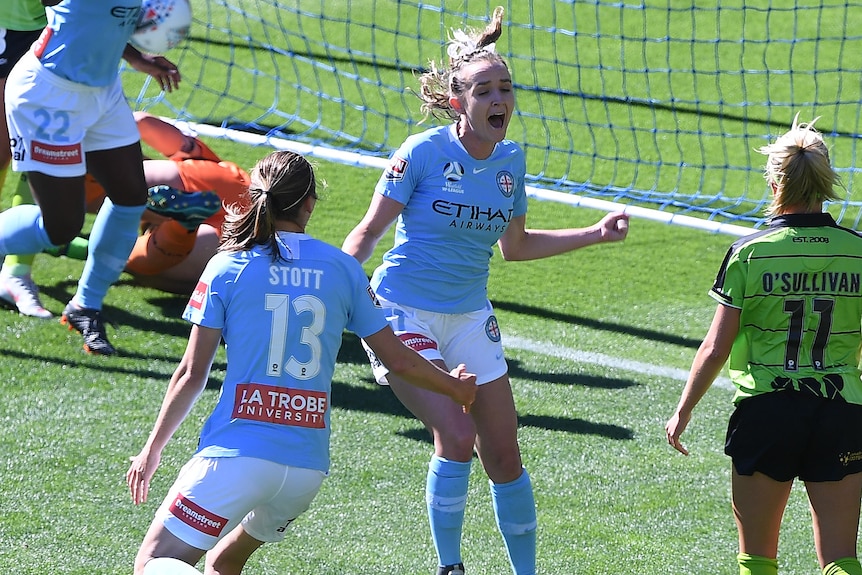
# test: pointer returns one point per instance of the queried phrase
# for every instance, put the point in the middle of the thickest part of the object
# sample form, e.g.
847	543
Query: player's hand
674	428
465	394
614	227
160	68
141	470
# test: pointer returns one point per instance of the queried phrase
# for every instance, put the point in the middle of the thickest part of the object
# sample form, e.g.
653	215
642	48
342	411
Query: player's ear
456	104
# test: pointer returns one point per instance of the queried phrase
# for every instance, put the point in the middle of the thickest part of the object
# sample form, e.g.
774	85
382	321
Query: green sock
76	249
845	566
756	565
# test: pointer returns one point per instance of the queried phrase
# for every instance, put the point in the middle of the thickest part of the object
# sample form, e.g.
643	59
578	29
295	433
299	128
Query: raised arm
519	243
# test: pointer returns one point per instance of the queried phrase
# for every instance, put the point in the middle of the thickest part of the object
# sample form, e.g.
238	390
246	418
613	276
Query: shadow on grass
647	334
373	398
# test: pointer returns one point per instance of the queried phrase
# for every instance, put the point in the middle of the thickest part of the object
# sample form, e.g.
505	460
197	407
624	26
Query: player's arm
187	383
361	241
416	370
708	362
519	243
160	68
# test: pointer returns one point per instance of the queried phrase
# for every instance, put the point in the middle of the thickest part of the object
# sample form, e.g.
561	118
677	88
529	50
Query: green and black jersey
798	286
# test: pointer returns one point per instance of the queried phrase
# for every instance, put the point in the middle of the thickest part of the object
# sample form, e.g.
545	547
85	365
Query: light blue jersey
455	209
85	39
282	323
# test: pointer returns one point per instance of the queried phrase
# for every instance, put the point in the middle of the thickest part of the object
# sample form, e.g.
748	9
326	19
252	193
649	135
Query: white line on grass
600	359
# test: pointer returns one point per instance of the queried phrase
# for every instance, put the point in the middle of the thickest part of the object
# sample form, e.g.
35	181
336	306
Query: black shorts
14	45
788	434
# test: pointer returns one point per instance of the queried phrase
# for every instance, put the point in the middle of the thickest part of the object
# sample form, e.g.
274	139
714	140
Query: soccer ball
162	25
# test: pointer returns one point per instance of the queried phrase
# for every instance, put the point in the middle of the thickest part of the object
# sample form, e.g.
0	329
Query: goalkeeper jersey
798	286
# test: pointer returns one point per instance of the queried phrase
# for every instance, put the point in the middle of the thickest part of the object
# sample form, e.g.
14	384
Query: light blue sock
22	231
111	241
515	509
446	496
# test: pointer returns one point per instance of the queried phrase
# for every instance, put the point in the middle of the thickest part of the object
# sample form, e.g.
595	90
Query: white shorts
471	338
53	122
212	495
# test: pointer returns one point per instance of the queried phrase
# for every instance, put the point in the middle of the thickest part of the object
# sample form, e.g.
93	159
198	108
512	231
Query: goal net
654	105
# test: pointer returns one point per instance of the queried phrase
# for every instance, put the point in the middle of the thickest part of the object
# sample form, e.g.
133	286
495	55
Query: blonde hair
799	167
464	47
280	182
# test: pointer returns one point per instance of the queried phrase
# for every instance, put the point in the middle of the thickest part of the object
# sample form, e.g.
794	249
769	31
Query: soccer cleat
457	569
21	292
187	208
91	325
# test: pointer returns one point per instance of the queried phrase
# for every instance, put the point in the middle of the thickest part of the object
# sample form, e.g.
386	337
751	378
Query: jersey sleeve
519	208
206	306
402	175
729	286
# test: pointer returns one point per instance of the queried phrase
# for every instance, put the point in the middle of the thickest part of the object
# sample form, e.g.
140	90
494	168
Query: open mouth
497	120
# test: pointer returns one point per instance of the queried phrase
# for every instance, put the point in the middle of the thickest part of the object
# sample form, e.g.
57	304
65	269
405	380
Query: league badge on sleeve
396	170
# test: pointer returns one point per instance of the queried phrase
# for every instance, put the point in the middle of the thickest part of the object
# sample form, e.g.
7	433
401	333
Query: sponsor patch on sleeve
197	299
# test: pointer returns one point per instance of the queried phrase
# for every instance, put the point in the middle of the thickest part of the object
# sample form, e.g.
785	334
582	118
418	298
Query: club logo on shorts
56	154
506	183
197	517
396	170
492	330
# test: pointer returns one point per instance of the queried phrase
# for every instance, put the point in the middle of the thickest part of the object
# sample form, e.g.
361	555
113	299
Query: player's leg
511	489
182	277
758	506
159	542
835	507
16	283
449	469
231	553
115	159
112	237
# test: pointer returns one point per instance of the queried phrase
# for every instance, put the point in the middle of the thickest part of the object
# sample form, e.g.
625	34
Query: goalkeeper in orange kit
182	225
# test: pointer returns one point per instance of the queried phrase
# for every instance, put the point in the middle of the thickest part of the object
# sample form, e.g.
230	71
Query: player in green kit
789	322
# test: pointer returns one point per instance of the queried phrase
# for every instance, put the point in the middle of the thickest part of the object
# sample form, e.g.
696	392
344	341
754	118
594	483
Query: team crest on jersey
492	329
453	171
396	169
506	183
